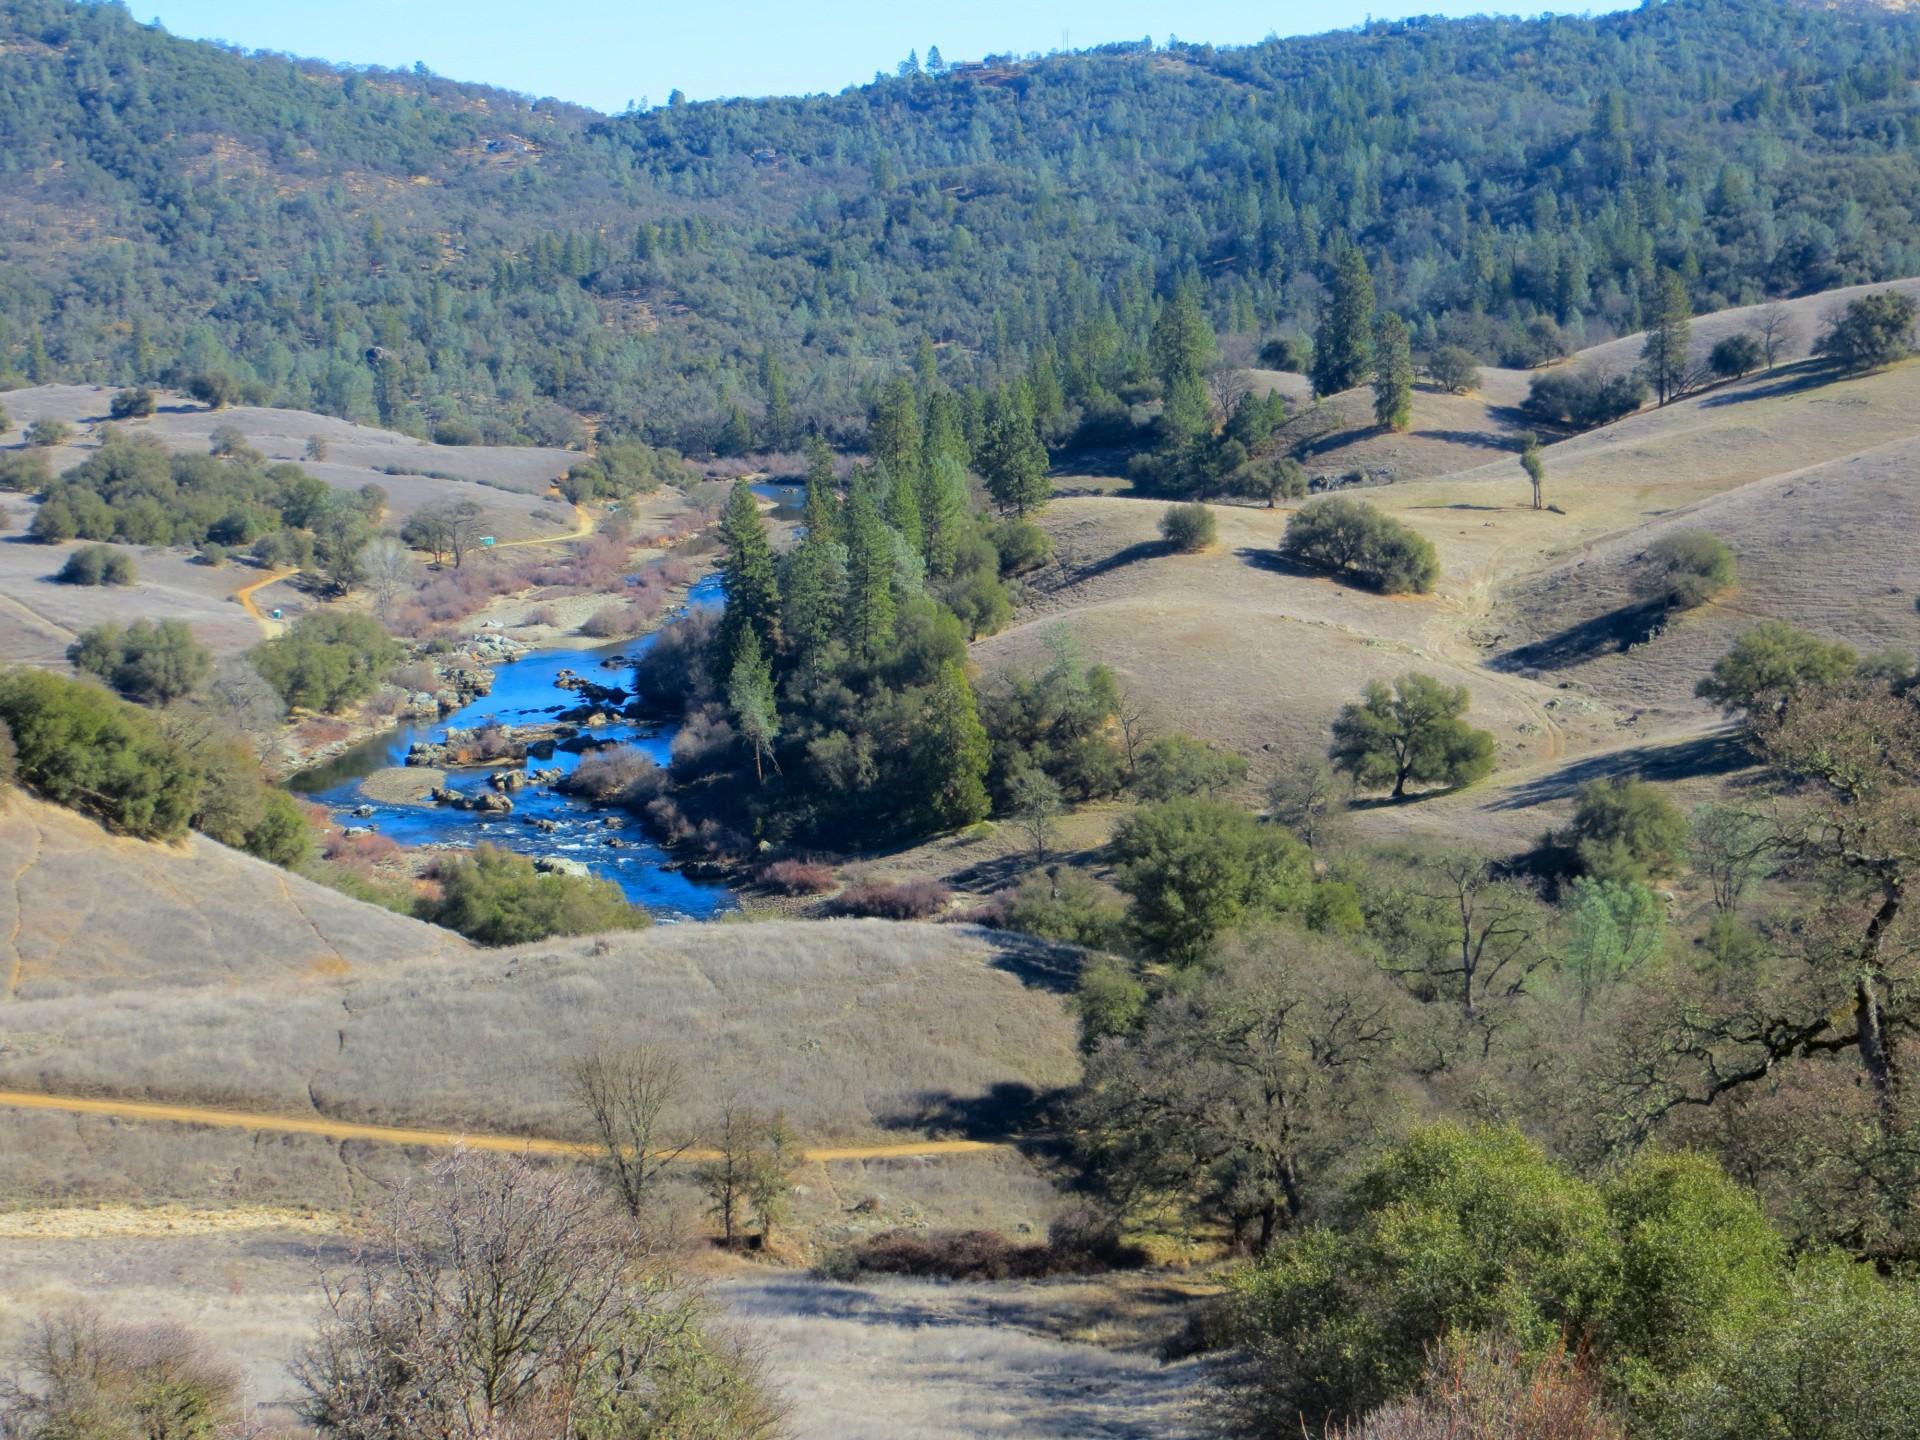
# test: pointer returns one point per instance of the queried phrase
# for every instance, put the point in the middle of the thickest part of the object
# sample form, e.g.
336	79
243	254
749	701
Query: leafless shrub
1481	1389
676	672
798	877
704	743
544	615
617	775
755	1154
607	622
81	1379
907	900
494	1301
1079	1243
361	852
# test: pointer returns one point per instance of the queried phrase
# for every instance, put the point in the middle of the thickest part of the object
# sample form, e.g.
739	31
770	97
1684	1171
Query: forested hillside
394	246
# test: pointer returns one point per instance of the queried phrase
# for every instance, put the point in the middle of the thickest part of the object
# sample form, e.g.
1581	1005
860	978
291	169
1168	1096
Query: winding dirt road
437	1139
245	594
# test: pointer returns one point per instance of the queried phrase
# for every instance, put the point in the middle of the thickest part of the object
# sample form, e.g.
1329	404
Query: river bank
542	822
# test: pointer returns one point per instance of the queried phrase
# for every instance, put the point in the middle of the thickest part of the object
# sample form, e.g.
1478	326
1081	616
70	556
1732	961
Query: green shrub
1188	529
25	471
1872	331
1062	903
1454	370
135	404
1412	734
1582	400
80	747
495	897
1835	1361
97	565
46	432
1772	662
1463	1232
457	430
1022	545
151	662
1685	570
1351	538
1177	765
329	659
1737	355
1627	831
1193	869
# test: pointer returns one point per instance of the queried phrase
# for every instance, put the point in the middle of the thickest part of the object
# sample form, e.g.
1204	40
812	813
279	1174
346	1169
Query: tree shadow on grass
1119	560
1008	1110
1719	753
1609	634
1786	380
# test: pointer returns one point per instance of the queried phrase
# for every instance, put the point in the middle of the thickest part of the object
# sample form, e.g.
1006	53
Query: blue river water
610	842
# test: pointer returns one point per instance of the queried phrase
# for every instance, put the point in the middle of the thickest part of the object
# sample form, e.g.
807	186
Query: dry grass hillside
1809	478
517	476
86	913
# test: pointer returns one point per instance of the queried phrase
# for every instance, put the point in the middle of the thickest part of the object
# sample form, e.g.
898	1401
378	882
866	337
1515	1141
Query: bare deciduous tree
390	570
754	1156
1775	328
496	1301
1310	800
627	1097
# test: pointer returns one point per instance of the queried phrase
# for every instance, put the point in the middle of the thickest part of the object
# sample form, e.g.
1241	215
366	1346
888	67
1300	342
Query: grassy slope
1805	479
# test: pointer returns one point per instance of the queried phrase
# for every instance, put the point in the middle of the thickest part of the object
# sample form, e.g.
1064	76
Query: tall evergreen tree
753	589
1392	373
814	597
894	432
953	753
901	494
773	380
1012	459
943	505
944	430
1343	343
870	606
750	699
1669	336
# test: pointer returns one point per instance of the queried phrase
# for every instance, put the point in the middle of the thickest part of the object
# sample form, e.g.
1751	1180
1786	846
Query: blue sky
604	53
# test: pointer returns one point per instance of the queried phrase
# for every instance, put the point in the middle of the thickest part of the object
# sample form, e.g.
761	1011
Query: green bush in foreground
495	897
80	747
1479	1232
1410	734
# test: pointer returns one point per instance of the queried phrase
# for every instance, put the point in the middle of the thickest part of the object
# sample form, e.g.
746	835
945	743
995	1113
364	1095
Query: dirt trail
439	1139
245	594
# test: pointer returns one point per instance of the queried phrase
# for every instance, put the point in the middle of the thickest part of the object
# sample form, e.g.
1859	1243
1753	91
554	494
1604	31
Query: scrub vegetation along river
543	822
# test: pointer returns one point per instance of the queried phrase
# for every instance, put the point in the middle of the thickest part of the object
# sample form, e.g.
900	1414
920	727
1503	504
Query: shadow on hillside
1785	380
1479	439
1720	753
1036	963
1119	560
1001	872
1009	1110
1609	634
1262	558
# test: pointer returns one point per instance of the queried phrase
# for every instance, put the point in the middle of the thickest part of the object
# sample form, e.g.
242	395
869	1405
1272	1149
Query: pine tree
737	437
944	430
1182	340
943	505
1343	343
814	598
870	607
1012	458
773	379
1669	336
822	514
753	590
1392	373
894	434
953	753
750	698
901	494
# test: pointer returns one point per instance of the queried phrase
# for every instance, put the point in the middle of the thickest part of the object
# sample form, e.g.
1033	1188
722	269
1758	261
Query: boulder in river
554	865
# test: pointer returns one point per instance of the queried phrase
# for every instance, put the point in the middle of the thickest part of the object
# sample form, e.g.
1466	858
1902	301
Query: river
610	842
